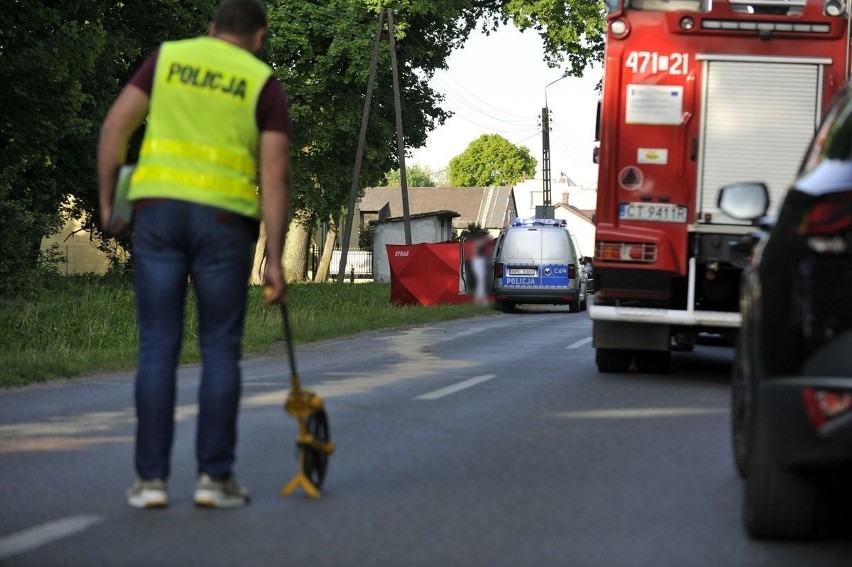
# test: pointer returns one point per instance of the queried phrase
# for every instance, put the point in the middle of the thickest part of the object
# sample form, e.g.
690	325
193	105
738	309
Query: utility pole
545	155
545	150
359	153
400	140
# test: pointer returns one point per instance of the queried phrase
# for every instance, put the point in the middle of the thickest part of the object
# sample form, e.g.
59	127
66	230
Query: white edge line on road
37	536
578	344
456	387
634	413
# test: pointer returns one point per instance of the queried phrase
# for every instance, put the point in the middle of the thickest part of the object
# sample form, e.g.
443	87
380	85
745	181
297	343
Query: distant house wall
425	227
580	226
80	250
489	207
572	203
530	193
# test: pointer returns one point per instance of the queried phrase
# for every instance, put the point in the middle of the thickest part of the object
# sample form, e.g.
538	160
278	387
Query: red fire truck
697	94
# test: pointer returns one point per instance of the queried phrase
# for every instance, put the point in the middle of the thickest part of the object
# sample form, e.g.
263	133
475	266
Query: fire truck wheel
613	360
654	361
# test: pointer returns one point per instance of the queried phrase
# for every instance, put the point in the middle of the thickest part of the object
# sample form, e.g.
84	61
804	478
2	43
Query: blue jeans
175	240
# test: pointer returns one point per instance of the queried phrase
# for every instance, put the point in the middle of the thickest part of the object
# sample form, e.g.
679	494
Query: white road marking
37	536
466	333
639	413
578	344
456	387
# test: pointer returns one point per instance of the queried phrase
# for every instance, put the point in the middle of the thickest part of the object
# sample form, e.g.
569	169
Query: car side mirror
744	201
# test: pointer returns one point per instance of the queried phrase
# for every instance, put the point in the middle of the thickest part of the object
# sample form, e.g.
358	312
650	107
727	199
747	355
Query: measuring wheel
315	462
314	442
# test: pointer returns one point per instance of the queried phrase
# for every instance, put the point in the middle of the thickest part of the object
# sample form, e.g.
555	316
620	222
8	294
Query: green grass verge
77	325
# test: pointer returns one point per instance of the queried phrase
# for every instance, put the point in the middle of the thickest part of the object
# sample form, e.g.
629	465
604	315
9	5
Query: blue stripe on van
549	275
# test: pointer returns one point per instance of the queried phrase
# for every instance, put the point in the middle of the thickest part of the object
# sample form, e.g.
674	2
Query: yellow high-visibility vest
201	140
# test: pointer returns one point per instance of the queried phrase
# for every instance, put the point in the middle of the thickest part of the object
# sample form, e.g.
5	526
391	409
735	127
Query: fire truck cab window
668	5
613	5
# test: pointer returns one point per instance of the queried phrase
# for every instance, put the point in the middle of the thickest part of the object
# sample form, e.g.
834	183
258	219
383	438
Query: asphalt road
490	441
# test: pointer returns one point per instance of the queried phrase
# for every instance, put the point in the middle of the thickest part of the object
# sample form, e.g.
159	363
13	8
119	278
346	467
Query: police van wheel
574	306
504	306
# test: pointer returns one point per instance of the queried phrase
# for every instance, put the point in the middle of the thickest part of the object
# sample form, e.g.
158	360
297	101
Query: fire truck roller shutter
758	117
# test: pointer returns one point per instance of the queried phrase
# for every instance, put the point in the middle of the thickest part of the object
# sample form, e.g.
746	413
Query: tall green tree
415	176
322	49
489	160
573	32
63	62
47	57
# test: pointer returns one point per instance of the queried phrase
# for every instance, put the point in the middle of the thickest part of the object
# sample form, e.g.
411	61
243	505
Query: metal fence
361	260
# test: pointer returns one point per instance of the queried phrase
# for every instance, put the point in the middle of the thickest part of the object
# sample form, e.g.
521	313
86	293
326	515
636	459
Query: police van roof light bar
539	222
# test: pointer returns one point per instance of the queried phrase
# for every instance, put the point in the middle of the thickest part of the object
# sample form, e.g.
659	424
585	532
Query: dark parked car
792	378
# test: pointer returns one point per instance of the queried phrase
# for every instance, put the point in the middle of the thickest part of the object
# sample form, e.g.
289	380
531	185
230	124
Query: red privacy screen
425	274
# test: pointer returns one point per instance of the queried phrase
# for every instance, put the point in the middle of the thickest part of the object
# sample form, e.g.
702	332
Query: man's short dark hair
240	17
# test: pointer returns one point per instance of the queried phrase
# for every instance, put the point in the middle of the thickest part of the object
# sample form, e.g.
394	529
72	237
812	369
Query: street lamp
545	146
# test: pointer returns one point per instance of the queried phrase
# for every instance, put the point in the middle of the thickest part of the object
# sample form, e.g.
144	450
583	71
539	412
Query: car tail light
572	271
829	215
498	270
824	405
643	252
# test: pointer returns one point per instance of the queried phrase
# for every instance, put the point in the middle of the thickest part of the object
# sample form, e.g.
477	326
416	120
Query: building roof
588	214
485	206
446	214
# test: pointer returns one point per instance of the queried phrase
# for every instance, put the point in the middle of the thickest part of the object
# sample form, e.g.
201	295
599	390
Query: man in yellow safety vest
218	123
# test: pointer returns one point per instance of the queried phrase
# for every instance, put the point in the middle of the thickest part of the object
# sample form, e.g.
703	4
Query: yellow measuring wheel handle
302	404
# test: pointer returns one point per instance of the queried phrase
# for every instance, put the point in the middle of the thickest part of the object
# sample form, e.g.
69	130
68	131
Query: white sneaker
220	493
148	494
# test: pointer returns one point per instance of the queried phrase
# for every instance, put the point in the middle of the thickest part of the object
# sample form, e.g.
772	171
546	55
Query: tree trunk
296	252
259	264
327	249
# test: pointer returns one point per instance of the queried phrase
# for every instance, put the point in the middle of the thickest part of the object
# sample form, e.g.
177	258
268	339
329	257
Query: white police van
538	261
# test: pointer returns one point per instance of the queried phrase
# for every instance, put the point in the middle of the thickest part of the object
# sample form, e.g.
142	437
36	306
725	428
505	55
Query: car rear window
536	243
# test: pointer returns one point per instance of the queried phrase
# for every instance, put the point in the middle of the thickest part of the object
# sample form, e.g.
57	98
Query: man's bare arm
124	117
275	197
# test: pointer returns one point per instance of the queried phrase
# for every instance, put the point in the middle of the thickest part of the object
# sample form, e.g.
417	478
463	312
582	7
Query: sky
496	85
